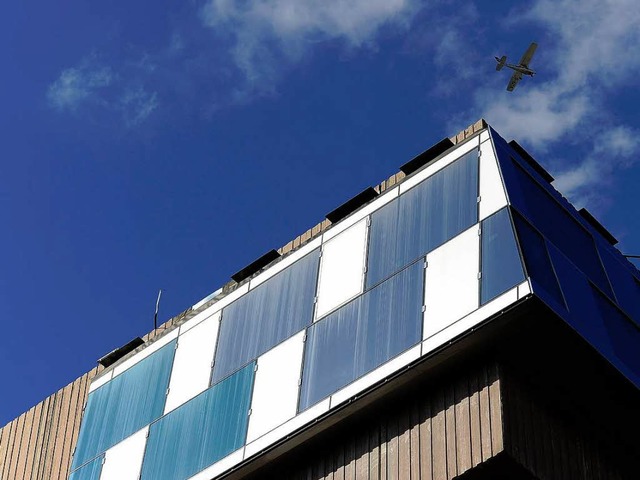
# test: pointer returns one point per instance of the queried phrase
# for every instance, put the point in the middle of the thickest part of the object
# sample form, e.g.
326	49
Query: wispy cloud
77	85
587	60
268	34
95	86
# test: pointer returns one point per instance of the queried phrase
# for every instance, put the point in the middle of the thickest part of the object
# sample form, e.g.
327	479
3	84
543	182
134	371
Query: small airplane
521	68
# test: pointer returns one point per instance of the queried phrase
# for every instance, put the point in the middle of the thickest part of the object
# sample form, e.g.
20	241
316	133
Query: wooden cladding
545	441
435	433
39	443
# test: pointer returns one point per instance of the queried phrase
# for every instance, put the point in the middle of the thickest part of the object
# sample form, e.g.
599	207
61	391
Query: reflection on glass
267	315
423	218
363	334
501	266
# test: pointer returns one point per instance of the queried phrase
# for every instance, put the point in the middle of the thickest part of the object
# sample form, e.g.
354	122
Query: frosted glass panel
90	471
423	218
267	315
451	284
123	406
275	392
342	268
192	364
124	460
201	431
501	264
492	195
363	334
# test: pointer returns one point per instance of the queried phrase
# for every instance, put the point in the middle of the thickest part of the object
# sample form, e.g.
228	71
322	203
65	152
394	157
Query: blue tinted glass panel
537	262
423	218
625	286
363	334
501	265
552	220
604	331
90	471
267	315
124	405
624	336
200	432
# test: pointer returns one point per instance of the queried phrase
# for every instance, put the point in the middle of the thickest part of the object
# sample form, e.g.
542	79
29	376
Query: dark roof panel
255	266
352	205
425	157
531	161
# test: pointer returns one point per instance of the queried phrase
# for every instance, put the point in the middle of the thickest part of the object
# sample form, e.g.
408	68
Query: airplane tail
501	62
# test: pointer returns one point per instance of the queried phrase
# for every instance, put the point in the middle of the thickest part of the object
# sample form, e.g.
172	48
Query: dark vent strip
256	266
352	205
425	157
584	213
531	161
115	355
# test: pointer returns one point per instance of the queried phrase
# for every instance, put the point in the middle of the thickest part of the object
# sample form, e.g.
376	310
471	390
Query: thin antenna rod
155	316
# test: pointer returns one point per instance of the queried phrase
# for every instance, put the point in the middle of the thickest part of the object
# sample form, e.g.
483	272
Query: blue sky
148	145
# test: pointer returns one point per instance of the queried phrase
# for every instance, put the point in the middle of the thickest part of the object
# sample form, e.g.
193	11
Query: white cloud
137	104
586	56
76	85
268	31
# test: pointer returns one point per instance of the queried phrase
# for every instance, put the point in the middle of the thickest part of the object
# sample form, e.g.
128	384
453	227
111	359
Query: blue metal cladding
423	218
538	206
537	263
625	285
124	405
90	471
363	334
596	319
200	432
501	267
266	316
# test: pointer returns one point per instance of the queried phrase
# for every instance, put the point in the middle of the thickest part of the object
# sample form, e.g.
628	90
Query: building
459	320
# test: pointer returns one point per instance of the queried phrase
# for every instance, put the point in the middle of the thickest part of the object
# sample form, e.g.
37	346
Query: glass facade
267	315
423	218
124	405
578	276
89	471
501	268
201	431
363	334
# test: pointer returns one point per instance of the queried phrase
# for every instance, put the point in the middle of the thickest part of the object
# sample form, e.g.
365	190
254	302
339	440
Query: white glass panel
275	391
492	196
451	282
192	364
342	268
124	460
98	382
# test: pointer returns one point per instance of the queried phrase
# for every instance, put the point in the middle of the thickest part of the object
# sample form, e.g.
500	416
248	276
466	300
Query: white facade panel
191	371
342	266
484	136
144	353
492	194
275	389
199	318
471	320
451	282
286	428
98	382
124	460
220	466
439	165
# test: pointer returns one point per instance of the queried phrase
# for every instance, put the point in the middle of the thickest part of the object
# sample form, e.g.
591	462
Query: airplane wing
515	78
526	58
